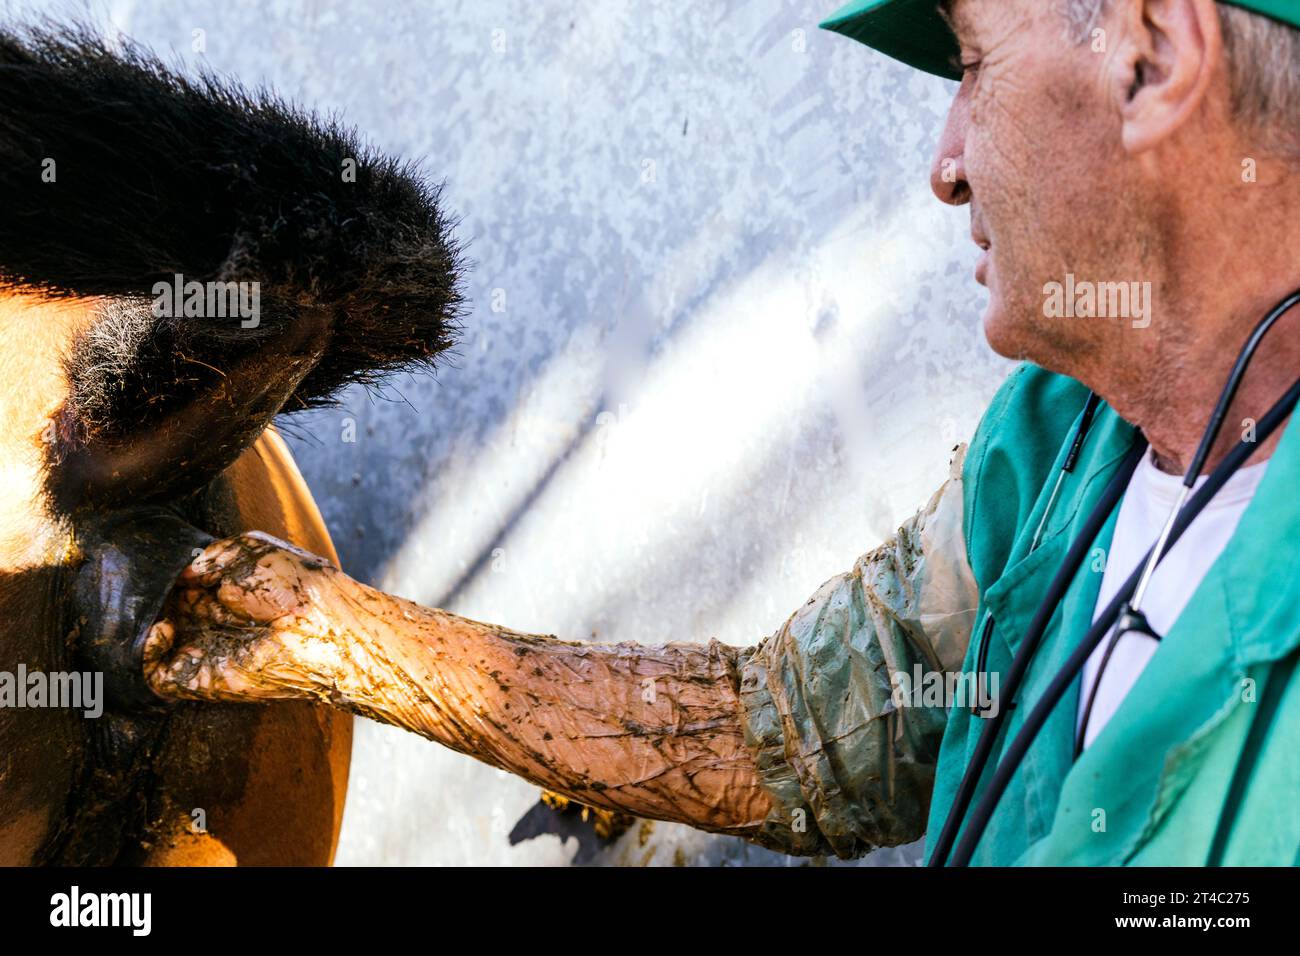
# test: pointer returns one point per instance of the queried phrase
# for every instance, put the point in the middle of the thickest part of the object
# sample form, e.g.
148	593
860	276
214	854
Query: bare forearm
652	731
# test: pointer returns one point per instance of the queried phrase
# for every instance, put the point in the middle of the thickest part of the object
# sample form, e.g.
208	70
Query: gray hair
1263	57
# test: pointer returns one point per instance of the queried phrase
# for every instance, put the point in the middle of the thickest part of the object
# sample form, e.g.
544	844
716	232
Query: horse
140	408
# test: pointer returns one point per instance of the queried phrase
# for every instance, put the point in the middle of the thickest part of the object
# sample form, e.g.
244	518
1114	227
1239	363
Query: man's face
1033	145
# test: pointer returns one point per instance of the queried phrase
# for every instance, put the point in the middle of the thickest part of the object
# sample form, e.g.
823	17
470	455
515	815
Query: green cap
913	31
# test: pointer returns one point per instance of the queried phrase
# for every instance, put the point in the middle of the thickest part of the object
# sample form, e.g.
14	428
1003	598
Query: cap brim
911	31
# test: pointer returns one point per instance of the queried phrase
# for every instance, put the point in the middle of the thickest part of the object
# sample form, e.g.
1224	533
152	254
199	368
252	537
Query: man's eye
964	65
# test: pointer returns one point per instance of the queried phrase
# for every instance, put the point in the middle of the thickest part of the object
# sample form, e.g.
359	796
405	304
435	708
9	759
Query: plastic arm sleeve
846	758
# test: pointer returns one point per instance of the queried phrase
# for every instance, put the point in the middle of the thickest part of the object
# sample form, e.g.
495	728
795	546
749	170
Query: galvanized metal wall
722	337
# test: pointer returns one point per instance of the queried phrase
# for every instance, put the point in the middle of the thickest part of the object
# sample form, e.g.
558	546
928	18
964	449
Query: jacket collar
1245	612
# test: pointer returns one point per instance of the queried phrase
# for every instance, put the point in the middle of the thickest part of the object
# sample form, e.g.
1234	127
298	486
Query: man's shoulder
1015	446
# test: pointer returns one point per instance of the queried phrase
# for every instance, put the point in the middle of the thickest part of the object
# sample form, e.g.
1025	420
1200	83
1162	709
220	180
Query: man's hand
650	731
258	619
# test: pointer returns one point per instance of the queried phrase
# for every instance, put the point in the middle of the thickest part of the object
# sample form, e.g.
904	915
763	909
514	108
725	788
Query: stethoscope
1121	616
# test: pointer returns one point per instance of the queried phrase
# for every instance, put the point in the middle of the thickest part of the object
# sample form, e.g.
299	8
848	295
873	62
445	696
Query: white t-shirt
1150	497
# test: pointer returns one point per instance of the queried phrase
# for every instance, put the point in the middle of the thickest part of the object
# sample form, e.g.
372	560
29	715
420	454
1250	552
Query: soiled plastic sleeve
847	769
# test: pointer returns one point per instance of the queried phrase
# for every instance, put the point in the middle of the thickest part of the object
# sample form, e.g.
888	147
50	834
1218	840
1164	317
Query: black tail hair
156	173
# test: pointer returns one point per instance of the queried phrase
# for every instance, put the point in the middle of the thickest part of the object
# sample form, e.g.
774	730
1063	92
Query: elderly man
1130	171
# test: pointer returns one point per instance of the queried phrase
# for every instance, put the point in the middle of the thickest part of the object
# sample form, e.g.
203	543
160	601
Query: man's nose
948	169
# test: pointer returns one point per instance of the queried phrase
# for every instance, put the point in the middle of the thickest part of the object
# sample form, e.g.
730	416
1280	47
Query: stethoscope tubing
1138	580
1029	645
1132	614
1010	762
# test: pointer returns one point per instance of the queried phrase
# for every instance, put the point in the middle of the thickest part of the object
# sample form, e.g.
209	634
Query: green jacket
851	764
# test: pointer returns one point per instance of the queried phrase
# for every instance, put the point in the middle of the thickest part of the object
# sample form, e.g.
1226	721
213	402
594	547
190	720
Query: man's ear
1170	54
